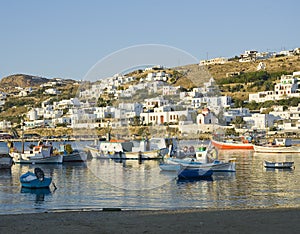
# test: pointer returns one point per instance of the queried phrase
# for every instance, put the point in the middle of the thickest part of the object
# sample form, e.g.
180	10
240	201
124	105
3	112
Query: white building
70	103
52	91
248	56
155	102
231	114
170	90
164	115
135	108
32	115
213	61
260	121
215	103
289	126
287	87
62	120
206	117
5	125
3	96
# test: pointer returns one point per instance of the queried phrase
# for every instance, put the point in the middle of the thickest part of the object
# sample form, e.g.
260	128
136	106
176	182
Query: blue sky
66	38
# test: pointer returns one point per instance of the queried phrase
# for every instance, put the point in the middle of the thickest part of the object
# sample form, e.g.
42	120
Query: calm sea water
132	185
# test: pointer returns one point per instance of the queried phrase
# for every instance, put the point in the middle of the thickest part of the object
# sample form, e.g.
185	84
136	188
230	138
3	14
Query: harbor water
134	185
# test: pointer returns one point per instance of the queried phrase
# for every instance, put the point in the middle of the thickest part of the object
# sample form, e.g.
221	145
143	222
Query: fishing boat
268	164
277	146
72	155
188	169
35	180
155	148
6	161
75	156
40	154
93	150
206	157
276	149
209	155
232	144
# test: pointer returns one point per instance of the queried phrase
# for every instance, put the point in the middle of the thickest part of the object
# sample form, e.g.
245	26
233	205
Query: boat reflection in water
182	180
40	193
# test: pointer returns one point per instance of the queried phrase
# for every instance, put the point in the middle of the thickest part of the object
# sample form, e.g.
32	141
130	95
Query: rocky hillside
21	80
194	74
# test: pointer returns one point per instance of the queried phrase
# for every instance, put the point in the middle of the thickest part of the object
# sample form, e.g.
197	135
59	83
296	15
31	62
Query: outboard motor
39	173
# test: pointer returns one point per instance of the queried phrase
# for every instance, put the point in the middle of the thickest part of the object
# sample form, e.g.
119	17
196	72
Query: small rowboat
268	164
35	180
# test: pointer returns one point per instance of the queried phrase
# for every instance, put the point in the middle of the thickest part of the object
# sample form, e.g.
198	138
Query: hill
22	80
195	74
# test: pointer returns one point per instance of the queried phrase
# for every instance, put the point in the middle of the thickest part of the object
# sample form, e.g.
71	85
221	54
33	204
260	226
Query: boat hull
170	167
280	165
22	159
216	166
187	173
276	149
232	145
6	162
224	167
79	156
35	183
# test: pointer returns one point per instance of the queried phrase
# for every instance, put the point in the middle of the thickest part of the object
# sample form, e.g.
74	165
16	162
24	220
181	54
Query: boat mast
22	132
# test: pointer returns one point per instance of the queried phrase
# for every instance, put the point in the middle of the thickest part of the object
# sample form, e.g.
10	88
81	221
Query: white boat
276	149
6	161
75	156
205	158
277	146
70	155
154	148
187	169
93	150
40	154
170	167
268	164
209	155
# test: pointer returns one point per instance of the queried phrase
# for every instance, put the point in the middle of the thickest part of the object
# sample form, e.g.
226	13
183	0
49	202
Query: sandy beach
180	221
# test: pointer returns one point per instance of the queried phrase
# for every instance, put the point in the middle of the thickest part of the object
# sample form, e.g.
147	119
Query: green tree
238	121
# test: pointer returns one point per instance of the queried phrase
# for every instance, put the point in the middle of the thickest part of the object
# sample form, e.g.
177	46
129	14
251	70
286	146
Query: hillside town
151	100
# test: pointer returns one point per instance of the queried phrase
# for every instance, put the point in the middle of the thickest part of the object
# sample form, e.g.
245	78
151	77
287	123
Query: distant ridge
22	80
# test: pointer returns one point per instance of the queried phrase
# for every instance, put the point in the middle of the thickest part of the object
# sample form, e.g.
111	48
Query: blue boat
195	173
35	180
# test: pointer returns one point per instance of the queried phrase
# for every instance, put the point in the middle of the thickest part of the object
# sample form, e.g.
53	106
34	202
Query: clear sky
66	38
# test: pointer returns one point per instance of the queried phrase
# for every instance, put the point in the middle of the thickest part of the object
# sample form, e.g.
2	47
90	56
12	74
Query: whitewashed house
5	125
154	102
52	91
231	114
248	56
67	104
213	61
289	125
206	117
136	108
287	87
169	90
32	115
62	120
214	103
164	114
260	121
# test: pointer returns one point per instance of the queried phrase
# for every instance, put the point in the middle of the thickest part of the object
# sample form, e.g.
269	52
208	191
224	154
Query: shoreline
274	220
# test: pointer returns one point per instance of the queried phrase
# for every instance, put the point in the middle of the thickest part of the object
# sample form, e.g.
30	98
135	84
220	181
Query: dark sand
181	221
